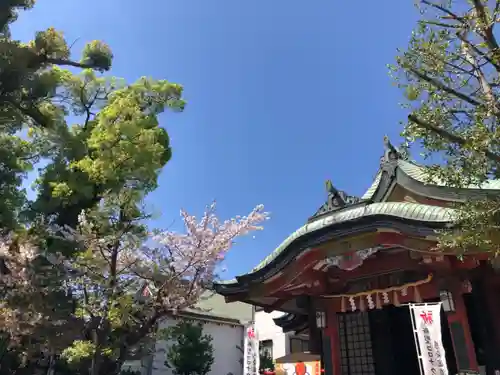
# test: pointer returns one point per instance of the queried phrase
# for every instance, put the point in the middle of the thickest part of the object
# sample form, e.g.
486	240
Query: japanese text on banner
250	352
427	318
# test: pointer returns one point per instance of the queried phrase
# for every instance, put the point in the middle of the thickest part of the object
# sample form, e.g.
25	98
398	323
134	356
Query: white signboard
250	351
426	318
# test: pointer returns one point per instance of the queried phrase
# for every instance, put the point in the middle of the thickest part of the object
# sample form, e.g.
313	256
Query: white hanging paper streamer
385	297
369	299
353	304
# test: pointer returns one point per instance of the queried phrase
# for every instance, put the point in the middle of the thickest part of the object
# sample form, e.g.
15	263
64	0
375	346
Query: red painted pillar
491	293
457	321
331	333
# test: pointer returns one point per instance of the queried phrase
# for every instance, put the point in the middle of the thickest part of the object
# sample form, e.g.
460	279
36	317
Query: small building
345	276
273	341
226	324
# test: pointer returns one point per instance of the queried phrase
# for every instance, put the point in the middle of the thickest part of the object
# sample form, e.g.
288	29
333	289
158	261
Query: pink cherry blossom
177	268
188	261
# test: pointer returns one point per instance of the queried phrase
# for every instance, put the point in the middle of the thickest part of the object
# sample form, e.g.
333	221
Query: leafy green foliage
104	167
450	77
15	155
118	144
113	269
79	350
191	351
29	81
98	55
8	13
73	259
104	164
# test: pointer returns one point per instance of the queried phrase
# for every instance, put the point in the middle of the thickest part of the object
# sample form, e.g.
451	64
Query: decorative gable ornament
389	161
352	260
336	200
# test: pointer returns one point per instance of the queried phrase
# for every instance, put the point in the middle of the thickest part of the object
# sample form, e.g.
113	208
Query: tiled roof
214	305
419	174
404	210
371	190
394	168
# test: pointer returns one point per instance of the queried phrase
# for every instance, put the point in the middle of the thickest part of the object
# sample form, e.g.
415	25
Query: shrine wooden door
356	351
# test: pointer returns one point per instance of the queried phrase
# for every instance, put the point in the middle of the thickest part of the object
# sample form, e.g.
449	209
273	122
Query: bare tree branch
443	87
444	10
453	138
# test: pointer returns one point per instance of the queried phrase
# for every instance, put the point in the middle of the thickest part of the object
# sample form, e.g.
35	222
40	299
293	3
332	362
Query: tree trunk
97	357
110	366
102	365
51	366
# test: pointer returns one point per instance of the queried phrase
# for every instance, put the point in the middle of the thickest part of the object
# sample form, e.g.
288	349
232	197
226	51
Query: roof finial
329	187
388	145
336	200
391	152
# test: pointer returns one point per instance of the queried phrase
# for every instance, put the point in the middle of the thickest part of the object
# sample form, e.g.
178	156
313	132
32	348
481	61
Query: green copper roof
419	173
394	168
214	305
404	210
373	188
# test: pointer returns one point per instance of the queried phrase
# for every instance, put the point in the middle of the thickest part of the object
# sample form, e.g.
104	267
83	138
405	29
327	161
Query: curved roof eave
284	319
414	177
373	187
290	322
399	210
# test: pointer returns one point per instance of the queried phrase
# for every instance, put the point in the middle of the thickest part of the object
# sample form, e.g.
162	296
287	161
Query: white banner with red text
251	357
426	319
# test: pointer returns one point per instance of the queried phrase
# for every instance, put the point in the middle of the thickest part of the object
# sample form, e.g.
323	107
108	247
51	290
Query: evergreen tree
28	99
191	352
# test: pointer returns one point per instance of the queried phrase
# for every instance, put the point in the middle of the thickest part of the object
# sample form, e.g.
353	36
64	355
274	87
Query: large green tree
124	287
115	148
106	164
28	85
450	76
73	260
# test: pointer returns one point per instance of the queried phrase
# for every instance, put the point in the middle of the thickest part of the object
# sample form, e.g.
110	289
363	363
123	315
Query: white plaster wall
226	340
268	330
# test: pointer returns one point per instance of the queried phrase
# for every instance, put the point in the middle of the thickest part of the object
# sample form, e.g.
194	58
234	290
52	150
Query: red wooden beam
299	269
381	263
307	260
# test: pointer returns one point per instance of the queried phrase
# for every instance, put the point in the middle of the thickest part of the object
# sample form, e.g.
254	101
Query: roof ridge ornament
389	161
391	153
336	200
330	189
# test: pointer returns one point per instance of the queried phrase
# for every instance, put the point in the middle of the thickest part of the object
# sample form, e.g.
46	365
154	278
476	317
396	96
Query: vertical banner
426	319
250	351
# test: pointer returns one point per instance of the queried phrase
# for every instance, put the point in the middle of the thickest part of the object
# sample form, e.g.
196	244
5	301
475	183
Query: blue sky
282	95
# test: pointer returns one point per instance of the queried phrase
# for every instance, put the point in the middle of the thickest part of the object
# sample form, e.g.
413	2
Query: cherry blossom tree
124	280
15	279
35	307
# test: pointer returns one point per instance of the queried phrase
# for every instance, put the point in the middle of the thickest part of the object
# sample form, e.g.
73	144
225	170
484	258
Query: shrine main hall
346	276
